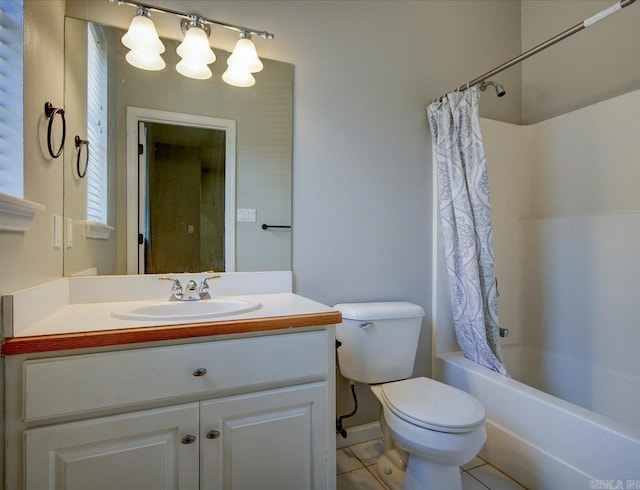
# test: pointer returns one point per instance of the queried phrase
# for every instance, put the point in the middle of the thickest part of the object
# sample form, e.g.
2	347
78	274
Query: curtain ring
79	144
51	112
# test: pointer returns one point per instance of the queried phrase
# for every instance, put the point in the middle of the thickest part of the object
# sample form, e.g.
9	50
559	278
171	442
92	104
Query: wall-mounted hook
51	112
79	144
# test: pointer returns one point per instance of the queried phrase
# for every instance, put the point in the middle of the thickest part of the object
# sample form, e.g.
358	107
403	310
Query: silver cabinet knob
199	372
213	434
188	439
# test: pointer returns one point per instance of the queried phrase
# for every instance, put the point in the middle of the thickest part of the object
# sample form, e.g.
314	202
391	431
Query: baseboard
358	434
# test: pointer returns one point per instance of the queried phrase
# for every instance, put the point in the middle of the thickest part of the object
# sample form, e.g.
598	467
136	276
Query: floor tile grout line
373	473
499	471
362	465
474	467
479	481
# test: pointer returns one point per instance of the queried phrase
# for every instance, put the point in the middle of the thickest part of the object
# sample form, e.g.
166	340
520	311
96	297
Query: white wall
594	65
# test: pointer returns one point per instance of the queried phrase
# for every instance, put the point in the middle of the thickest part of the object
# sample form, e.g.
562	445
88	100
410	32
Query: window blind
11	81
96	127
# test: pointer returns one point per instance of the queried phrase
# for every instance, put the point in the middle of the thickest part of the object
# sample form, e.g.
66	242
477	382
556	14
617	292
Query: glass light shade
238	77
142	35
196	45
244	55
193	68
145	59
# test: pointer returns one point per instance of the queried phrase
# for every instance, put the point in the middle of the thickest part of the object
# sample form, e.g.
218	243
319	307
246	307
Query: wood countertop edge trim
125	336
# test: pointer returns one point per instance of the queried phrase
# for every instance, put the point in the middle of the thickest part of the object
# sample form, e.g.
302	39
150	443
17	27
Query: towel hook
51	112
79	144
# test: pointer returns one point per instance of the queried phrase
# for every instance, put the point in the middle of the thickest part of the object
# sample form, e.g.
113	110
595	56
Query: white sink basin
186	310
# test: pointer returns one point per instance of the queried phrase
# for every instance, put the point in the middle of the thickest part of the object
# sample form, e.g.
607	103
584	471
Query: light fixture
238	77
195	52
244	55
242	63
143	41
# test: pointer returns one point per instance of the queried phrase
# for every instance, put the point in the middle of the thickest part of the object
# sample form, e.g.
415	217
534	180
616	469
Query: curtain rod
548	43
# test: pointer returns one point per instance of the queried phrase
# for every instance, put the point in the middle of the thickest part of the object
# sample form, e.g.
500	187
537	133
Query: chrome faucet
176	288
192	291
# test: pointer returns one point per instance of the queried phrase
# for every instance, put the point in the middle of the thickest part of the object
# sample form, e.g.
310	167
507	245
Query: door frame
136	115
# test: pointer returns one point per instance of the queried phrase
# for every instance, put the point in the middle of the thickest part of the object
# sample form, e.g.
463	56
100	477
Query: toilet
430	429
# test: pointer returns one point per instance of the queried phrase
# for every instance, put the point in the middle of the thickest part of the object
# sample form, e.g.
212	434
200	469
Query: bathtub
543	441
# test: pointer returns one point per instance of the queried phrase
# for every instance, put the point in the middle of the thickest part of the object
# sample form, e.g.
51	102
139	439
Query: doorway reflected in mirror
183	205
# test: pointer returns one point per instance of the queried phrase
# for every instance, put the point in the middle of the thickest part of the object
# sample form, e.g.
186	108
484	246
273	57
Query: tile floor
356	468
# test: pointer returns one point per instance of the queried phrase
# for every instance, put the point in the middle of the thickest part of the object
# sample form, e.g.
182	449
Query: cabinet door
271	440
144	450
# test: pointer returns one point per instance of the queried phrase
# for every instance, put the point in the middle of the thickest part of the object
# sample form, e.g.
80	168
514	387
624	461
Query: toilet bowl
430	429
439	427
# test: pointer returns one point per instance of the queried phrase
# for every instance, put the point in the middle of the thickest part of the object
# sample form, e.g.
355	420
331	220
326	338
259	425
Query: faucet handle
176	282
176	287
204	286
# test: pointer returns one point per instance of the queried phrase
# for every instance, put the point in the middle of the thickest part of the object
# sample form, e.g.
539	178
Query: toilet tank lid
386	310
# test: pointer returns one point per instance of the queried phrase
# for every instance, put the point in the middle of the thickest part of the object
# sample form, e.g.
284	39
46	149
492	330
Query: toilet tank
379	340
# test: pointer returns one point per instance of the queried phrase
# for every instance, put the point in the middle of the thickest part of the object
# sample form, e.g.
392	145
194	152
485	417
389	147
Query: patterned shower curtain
465	215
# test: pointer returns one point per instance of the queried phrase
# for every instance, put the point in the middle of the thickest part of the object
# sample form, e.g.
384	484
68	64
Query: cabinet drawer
78	384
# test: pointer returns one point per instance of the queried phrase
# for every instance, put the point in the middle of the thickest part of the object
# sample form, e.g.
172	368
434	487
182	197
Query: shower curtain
465	216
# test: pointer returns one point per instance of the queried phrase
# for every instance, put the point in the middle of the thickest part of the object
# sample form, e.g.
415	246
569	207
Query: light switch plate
247	215
68	232
57	231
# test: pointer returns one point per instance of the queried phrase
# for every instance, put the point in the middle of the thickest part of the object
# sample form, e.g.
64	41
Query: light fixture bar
262	34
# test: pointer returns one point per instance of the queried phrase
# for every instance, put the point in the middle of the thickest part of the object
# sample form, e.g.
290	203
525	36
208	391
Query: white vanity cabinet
265	441
142	450
248	413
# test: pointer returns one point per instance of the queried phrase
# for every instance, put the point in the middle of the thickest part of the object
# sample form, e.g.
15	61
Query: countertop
87	325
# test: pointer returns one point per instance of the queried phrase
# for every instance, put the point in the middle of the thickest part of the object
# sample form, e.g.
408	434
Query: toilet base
389	473
422	474
419	475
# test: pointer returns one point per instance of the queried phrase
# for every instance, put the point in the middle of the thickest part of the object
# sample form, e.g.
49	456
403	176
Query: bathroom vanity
243	401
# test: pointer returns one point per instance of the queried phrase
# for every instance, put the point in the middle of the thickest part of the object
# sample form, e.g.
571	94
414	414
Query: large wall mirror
181	174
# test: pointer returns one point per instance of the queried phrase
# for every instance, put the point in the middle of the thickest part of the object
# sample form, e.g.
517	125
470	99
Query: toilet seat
433	405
